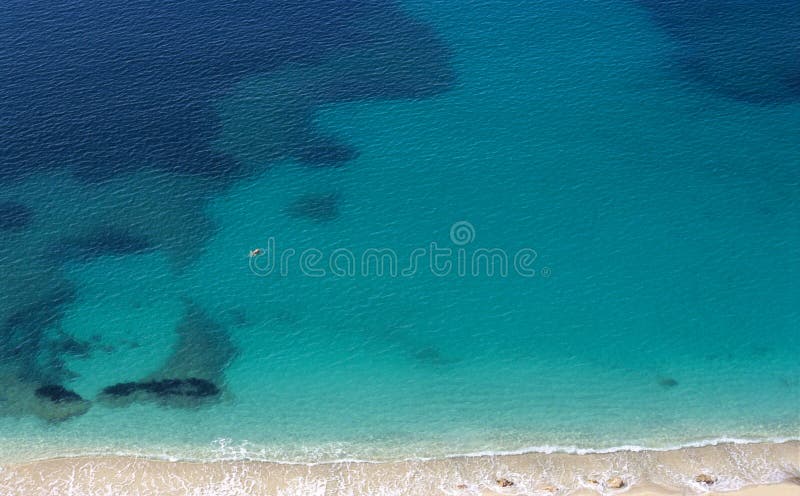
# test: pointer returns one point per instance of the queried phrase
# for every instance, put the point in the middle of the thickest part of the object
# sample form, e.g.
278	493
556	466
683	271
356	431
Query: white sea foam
736	463
225	450
575	450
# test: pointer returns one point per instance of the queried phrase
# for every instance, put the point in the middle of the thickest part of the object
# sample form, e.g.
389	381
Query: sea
315	230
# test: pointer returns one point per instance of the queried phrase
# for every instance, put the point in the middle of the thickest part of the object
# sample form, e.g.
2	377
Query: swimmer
256	252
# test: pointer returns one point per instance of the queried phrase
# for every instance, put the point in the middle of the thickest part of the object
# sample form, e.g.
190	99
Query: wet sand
765	469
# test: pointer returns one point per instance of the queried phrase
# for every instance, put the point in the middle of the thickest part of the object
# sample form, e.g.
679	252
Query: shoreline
757	469
223	452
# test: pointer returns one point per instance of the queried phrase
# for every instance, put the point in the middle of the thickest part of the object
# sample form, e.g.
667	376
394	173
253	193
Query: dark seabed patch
324	150
164	389
203	350
14	216
404	338
236	317
320	207
56	403
193	373
667	382
432	356
103	87
130	214
104	240
111	136
57	394
69	345
747	50
25	338
50	402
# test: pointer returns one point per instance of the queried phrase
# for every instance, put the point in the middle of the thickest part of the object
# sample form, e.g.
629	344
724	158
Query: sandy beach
745	470
399	247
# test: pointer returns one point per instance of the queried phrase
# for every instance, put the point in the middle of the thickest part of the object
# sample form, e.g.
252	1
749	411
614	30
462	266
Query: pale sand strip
749	470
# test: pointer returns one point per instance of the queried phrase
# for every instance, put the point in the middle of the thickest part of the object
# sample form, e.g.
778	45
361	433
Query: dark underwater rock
57	394
191	375
191	387
14	216
32	362
121	389
503	482
319	208
51	402
705	479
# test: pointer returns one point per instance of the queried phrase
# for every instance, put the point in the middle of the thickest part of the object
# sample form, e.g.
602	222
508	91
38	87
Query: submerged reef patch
191	387
57	393
57	403
25	344
120	148
69	345
748	50
31	354
129	214
203	350
191	374
50	402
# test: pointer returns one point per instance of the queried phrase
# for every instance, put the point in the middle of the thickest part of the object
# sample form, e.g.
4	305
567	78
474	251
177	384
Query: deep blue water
105	87
644	154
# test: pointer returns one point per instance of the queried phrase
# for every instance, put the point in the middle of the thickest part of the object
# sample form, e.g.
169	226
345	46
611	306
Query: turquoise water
664	216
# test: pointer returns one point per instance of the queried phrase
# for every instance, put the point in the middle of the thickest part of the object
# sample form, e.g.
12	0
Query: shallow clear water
661	203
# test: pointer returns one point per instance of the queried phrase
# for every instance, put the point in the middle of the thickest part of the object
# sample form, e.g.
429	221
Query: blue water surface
634	163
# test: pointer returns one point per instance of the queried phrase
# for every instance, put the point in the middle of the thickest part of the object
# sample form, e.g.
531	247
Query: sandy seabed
759	469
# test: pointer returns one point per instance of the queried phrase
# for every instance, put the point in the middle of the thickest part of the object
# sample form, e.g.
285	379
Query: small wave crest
575	450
